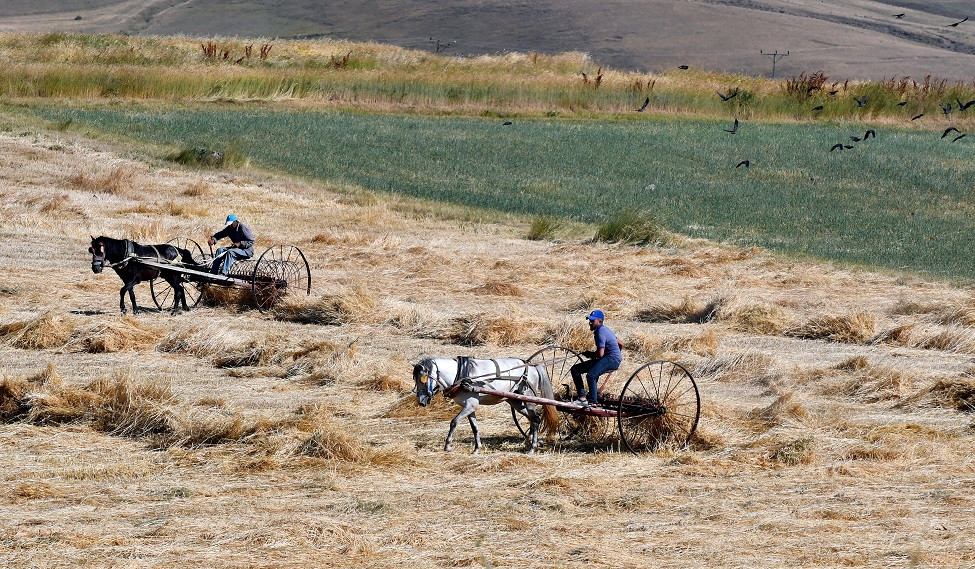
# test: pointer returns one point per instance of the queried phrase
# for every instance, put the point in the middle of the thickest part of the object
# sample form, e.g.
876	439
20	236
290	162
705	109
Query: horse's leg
131	285
536	422
466	409
121	297
477	436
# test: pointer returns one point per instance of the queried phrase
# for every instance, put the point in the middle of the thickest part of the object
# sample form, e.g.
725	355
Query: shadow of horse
119	254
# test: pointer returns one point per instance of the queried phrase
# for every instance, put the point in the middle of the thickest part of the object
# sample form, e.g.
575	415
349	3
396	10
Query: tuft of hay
481	329
117	181
417	321
632	227
755	368
952	338
856	328
197	189
499	288
126	334
47	331
12	392
257	351
799	451
687	312
569	332
957	393
355	305
874	384
785	407
763	319
329	437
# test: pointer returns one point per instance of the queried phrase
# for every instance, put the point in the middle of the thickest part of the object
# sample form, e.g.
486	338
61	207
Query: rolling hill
846	40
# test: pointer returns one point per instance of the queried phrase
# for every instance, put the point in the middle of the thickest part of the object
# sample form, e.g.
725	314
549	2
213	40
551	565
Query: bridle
432	381
97	260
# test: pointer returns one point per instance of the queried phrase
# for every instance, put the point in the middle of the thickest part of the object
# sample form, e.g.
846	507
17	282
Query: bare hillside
859	39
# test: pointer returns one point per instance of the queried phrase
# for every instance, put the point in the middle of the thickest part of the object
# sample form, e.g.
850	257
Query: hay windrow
854	328
125	334
786	408
47	331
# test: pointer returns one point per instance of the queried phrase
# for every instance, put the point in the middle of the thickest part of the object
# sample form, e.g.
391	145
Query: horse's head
425	377
97	250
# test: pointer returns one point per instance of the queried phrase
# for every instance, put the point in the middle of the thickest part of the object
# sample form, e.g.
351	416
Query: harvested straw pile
355	305
49	330
125	334
855	328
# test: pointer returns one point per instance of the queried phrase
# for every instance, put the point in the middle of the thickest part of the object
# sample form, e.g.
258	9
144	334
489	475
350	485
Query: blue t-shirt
605	338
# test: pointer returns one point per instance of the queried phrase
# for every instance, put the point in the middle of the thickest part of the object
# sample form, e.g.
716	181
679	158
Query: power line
774	57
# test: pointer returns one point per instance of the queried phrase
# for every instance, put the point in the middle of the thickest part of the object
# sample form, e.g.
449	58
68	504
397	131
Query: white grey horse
456	376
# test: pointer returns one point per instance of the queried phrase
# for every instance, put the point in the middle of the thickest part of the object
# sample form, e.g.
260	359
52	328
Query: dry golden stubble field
836	428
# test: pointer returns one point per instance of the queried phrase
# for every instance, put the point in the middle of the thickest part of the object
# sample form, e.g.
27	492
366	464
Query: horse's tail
550	417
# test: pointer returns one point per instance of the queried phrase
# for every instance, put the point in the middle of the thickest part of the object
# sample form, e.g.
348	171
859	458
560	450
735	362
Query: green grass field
902	201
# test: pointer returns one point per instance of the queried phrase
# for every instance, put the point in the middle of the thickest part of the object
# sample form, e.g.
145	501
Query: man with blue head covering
242	239
606	357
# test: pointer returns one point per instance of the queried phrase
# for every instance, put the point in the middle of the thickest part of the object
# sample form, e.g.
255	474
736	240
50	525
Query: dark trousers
593	369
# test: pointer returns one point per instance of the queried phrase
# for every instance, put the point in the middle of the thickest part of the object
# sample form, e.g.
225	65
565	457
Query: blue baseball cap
596	314
230	219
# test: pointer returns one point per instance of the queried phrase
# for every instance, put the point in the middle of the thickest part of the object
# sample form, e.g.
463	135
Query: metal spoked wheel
280	270
556	360
659	407
162	291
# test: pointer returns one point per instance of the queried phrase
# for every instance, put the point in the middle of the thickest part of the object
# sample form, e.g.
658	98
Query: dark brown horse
117	254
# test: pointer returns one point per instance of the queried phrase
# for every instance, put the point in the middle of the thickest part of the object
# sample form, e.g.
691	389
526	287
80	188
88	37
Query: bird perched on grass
869	133
948	130
744	163
734	129
818	108
684	67
644	107
506	123
837	146
855	138
902	103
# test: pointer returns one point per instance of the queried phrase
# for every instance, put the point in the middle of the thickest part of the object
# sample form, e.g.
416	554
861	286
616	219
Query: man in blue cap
243	245
607	357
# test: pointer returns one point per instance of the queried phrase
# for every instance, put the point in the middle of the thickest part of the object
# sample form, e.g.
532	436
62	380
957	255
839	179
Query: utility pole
440	46
775	56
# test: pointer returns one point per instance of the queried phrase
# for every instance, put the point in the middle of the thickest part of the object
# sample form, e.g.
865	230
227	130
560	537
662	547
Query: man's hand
236	243
211	241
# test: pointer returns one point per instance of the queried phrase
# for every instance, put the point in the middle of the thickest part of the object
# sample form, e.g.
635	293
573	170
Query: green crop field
903	200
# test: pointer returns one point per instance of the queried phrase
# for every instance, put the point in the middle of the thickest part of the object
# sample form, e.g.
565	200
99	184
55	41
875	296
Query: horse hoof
446	448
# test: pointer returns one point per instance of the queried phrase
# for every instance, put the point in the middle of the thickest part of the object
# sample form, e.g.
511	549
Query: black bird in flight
949	129
683	67
915	117
834	92
855	138
899	16
902	103
644	107
861	102
506	123
734	129
837	146
819	108
730	95
955	25
945	109
964	106
959	137
869	133
744	163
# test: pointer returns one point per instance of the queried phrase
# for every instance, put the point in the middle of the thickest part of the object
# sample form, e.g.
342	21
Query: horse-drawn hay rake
659	405
278	271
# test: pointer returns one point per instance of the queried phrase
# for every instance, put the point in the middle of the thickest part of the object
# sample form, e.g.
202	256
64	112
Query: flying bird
861	102
730	95
959	137
506	123
945	109
834	92
837	146
685	67
819	108
644	107
949	129
744	163
899	16
955	25
855	138
964	106
734	129
869	133
915	117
